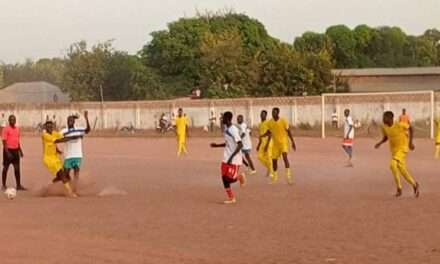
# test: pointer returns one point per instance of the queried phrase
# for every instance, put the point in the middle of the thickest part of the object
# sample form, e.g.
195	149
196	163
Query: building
390	79
33	92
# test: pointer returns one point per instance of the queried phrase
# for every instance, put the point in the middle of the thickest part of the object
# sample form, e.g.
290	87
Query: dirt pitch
172	211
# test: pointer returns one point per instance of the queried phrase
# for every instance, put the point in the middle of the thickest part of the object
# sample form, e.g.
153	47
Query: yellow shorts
279	148
53	164
400	156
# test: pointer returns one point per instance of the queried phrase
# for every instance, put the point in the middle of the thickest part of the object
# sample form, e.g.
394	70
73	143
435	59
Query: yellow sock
274	176
289	176
68	187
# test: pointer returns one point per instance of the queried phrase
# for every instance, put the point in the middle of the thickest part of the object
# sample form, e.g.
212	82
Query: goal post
367	108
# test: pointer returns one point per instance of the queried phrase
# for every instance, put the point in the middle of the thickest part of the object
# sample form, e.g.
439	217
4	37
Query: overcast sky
45	28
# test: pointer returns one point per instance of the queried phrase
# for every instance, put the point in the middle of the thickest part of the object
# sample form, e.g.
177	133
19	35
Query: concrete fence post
250	113
137	117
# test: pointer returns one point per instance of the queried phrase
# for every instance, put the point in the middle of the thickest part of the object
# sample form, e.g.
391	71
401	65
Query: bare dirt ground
172	212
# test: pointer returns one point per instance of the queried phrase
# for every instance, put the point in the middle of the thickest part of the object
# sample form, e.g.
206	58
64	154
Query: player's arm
67	139
215	145
384	139
411	137
267	134
291	139
20	151
259	143
236	151
350	127
86	117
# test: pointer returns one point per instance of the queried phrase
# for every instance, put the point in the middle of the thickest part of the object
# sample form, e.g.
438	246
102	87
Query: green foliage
366	47
226	55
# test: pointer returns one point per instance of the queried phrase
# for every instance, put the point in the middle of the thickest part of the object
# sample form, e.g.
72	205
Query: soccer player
280	134
73	152
181	132
264	146
51	156
404	117
12	152
245	134
347	143
400	136
232	157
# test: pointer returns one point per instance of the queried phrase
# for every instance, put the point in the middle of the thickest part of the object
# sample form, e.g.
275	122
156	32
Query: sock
229	193
274	176
288	173
68	188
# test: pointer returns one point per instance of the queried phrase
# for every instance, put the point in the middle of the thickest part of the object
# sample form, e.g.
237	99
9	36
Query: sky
32	29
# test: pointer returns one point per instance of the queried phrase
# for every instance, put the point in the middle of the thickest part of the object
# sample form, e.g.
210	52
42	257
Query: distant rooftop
33	92
370	72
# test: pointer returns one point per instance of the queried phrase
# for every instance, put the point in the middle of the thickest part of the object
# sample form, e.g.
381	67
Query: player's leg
288	170
17	173
394	165
6	165
227	185
184	149
249	161
349	151
262	157
276	154
401	165
275	170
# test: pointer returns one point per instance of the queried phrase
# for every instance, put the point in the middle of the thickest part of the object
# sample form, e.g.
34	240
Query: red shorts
230	170
347	142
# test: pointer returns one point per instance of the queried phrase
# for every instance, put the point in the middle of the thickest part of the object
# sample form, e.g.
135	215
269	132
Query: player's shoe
242	179
230	201
417	190
252	172
398	192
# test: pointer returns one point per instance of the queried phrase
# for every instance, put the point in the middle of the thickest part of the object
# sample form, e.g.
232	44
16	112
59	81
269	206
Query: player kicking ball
232	157
73	152
400	136
51	157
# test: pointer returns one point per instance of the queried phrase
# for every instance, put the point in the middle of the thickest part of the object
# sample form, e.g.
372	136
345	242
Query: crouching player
51	156
232	157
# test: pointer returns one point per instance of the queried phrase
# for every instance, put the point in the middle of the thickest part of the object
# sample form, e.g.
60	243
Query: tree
344	46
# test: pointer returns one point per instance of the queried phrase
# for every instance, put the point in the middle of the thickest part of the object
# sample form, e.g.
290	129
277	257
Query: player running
51	157
264	146
232	158
73	152
347	143
245	134
181	132
280	134
400	136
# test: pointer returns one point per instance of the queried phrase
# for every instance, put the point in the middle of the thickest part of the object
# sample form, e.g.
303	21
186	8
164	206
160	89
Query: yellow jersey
397	135
49	146
278	129
262	129
181	124
437	134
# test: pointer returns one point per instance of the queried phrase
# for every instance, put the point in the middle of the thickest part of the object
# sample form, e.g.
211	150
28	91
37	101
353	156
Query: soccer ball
11	193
